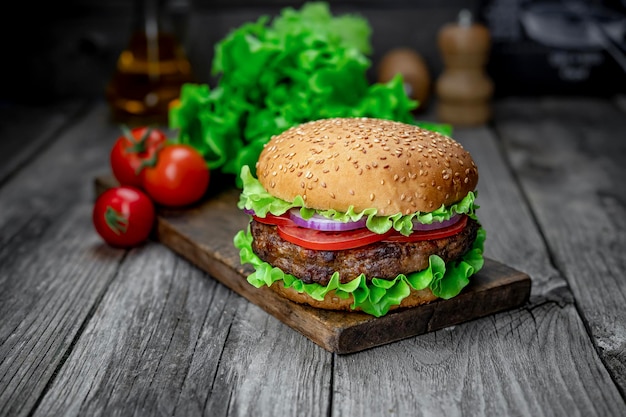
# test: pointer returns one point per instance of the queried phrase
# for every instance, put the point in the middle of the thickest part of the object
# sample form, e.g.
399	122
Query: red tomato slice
431	234
318	240
276	220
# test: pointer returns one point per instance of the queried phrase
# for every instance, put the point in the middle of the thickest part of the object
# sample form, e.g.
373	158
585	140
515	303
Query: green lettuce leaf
274	74
377	296
256	198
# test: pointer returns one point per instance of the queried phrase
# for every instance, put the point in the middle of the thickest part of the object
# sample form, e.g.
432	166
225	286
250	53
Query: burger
361	214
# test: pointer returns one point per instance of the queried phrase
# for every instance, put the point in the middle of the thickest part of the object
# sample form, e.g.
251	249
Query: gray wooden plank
521	363
169	340
134	355
569	156
44	305
536	360
53	268
27	130
512	236
270	370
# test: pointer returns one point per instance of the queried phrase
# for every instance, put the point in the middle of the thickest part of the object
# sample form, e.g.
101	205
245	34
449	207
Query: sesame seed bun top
366	163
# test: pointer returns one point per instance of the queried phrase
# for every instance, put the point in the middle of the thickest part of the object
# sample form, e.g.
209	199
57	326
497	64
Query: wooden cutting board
203	234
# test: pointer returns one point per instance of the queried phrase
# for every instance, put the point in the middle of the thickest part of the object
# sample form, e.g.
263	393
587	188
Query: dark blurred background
69	48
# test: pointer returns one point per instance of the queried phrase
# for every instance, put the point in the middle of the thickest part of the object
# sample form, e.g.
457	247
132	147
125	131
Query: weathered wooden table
89	330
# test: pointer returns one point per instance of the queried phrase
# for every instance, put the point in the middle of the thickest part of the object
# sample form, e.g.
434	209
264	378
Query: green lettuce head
273	74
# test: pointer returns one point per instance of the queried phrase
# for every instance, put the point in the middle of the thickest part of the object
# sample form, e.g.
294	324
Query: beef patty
383	259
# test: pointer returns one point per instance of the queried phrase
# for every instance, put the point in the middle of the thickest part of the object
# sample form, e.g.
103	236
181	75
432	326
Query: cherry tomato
123	216
131	150
319	240
179	177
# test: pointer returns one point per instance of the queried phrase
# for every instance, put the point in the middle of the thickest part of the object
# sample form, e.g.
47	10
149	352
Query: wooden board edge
286	311
350	332
437	315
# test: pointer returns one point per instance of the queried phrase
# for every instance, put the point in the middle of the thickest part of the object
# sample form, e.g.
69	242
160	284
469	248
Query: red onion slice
319	222
417	226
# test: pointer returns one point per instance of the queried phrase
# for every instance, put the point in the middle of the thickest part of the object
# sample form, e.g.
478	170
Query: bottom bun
333	302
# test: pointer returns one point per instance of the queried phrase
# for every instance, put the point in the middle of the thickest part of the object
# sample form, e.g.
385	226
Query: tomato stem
148	162
138	146
116	221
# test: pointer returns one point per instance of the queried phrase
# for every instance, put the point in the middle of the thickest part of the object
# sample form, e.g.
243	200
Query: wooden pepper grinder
464	90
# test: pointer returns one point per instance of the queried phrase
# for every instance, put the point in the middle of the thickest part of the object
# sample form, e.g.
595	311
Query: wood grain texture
569	156
512	236
529	362
49	255
169	341
203	234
